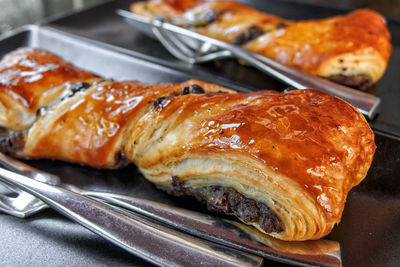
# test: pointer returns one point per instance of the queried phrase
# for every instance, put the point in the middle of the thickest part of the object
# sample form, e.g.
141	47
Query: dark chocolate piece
185	90
159	100
79	86
76	87
360	81
252	33
229	201
193	89
41	111
281	26
121	160
11	142
196	89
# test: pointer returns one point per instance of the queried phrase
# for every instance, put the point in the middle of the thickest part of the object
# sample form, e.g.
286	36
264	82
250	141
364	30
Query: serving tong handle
152	242
177	40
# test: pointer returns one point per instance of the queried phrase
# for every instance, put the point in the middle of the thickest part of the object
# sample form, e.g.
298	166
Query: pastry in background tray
282	162
351	49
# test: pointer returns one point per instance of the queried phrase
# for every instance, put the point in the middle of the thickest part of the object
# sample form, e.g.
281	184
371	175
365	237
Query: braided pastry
283	162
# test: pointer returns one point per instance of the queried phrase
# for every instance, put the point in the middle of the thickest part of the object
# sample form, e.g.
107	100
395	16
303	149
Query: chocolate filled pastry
351	49
282	162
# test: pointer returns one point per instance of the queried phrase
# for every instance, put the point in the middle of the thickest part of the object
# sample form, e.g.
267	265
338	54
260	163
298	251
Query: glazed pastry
352	49
32	78
283	163
95	123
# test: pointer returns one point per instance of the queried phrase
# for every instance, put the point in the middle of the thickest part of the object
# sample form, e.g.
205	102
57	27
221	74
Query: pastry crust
283	163
32	78
299	153
93	124
349	45
355	46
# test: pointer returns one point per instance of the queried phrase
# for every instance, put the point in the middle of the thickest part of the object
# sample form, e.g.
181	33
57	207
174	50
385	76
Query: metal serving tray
102	24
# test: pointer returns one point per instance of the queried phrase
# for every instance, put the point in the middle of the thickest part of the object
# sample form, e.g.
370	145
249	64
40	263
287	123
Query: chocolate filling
158	101
41	111
11	142
281	26
76	87
79	86
228	200
252	33
361	81
192	89
121	160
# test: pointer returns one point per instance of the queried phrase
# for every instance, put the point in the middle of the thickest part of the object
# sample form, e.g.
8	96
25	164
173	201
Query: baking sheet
369	232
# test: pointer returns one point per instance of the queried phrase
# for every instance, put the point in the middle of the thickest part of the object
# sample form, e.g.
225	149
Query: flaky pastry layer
299	153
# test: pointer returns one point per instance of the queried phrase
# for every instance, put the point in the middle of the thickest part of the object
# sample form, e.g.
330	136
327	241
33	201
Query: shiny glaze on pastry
354	44
306	145
93	124
31	78
234	20
283	163
224	20
169	8
352	49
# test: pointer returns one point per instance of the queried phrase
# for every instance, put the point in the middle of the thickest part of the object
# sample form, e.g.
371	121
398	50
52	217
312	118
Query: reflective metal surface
230	233
147	240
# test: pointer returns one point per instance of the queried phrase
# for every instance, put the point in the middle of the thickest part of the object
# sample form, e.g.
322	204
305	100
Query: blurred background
15	13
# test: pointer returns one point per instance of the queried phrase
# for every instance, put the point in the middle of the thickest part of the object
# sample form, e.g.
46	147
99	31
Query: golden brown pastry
283	163
352	49
95	123
32	78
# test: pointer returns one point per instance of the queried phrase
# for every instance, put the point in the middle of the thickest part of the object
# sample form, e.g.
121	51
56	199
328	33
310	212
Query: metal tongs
193	48
139	236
